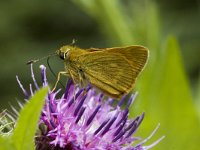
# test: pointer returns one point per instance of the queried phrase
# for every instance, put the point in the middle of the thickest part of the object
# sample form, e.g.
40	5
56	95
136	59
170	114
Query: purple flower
82	120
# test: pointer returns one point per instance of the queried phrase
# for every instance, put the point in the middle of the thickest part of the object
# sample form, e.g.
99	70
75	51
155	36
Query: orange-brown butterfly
112	70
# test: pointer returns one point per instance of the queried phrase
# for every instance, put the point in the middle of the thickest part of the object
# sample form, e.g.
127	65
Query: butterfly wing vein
109	72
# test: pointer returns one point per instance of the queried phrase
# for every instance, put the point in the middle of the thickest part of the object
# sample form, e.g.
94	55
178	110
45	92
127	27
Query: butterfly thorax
70	55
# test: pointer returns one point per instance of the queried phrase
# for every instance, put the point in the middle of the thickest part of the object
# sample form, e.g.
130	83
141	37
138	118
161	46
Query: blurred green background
169	88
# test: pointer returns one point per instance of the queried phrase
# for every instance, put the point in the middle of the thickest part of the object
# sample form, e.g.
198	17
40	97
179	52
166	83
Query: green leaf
167	99
5	144
197	97
23	135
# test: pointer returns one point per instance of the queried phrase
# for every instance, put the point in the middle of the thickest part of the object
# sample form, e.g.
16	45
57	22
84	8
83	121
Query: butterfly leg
83	81
58	78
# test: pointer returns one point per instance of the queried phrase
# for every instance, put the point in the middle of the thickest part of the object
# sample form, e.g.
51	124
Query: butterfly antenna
36	60
53	72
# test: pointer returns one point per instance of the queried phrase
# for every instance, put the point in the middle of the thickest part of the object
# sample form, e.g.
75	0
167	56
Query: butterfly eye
62	55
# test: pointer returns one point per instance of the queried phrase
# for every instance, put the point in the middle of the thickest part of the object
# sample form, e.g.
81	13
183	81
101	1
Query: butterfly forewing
109	72
136	55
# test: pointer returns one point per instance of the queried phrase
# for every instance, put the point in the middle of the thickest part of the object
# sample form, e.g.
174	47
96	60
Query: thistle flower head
82	120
